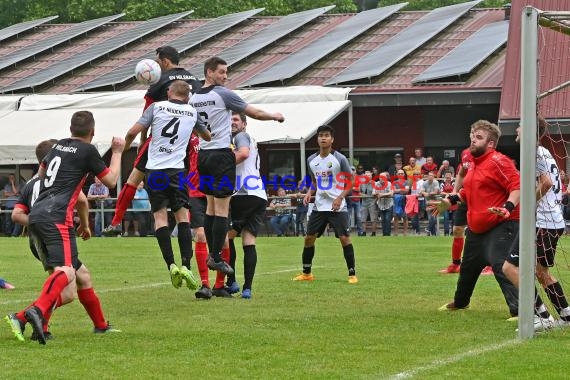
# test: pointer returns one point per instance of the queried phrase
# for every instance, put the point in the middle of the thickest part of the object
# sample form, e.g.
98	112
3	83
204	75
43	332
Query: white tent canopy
41	117
9	103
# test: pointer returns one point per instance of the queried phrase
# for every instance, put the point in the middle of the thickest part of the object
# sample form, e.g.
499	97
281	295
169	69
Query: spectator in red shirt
429	166
491	182
447	187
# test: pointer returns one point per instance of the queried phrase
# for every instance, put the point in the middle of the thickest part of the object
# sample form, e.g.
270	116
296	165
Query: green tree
15	11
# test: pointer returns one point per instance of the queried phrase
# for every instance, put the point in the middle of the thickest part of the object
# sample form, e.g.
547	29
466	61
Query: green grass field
385	327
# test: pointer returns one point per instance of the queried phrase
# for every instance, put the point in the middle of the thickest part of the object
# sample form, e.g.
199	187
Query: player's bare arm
259	114
117	147
142	138
459	179
132	134
82	207
204	134
20	216
241	154
544	184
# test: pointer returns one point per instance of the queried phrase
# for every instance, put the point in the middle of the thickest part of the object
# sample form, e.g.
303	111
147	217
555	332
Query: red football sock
47	316
92	306
21	316
457	248
123	201
201	250
51	291
220	276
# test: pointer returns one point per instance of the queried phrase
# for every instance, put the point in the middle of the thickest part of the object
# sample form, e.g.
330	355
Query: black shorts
54	245
217	168
247	213
197	211
460	215
319	220
142	156
166	190
546	242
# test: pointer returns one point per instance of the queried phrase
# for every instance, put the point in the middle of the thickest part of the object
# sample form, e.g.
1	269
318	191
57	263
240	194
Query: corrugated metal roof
553	66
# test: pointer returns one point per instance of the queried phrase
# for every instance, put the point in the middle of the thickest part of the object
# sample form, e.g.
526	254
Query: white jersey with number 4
548	208
171	124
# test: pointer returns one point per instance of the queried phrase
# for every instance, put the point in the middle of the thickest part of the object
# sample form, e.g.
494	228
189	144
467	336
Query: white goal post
531	19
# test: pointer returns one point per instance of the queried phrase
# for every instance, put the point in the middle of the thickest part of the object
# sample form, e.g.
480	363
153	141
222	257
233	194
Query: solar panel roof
94	52
395	49
469	54
343	33
264	37
50	42
182	44
13	30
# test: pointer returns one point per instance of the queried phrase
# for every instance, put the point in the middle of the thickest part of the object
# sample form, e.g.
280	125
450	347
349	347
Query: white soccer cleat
543	324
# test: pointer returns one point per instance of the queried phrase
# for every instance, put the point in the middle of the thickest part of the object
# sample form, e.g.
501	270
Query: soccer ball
147	71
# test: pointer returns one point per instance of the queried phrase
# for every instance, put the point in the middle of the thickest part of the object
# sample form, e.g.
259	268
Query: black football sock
219	231
556	295
185	243
163	237
348	252
539	306
308	254
232	278
249	263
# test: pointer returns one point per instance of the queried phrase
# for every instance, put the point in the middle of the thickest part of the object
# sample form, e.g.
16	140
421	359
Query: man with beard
491	183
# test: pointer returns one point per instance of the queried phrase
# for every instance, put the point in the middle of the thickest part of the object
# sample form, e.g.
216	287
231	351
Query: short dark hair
43	148
169	53
82	122
326	128
242	116
212	64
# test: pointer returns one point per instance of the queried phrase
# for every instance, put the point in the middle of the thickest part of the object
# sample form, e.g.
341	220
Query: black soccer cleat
222	266
47	336
221	292
35	319
204	293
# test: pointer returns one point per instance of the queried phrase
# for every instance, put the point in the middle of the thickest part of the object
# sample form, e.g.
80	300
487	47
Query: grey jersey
171	124
215	105
327	174
248	178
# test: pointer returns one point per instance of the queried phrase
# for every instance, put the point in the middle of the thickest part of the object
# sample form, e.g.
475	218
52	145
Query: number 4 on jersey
170	130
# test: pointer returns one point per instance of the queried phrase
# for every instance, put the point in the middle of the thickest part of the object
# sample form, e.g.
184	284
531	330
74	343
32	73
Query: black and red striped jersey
66	168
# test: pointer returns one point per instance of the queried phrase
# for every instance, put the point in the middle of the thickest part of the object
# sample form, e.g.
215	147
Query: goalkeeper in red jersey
492	181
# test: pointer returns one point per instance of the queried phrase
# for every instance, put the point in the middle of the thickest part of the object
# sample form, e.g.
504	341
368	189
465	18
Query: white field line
453	359
147	286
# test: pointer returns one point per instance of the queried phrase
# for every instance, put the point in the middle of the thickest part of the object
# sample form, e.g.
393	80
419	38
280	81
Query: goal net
545	92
